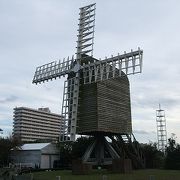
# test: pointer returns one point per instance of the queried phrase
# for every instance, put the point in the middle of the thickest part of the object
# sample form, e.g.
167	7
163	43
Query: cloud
144	132
39	33
9	99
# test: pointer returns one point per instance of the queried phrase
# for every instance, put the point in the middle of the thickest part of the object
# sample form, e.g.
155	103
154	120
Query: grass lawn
97	175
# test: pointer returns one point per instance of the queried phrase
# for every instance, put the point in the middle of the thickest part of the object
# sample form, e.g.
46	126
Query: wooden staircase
127	147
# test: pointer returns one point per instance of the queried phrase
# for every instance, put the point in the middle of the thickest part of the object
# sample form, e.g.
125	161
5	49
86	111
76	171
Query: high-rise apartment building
31	125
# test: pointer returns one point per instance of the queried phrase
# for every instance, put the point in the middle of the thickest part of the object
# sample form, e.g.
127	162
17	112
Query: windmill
87	78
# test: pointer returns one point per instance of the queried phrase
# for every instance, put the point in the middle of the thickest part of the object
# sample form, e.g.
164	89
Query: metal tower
161	129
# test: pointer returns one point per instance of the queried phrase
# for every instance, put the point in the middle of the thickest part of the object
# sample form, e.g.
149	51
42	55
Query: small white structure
36	155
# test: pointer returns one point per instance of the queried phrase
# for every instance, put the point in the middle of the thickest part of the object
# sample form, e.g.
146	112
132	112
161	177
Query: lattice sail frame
53	70
69	109
86	31
100	70
129	63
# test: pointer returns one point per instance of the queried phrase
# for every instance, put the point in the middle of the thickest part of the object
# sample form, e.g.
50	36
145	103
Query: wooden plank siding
104	107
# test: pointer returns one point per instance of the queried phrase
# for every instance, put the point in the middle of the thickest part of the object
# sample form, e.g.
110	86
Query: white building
31	125
41	155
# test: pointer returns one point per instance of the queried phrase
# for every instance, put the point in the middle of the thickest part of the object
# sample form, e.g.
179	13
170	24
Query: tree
65	151
79	146
153	157
1	131
173	154
72	150
6	144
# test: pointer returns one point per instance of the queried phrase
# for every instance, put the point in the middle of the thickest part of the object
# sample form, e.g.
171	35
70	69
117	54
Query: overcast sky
35	32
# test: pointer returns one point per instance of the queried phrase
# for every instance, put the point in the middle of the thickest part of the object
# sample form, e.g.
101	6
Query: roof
34	146
17	109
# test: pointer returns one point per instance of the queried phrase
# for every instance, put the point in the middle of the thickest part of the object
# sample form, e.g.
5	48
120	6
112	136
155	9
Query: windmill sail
69	109
52	70
71	86
86	31
117	66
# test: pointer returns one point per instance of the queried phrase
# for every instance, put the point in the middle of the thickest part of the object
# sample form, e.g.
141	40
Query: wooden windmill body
105	107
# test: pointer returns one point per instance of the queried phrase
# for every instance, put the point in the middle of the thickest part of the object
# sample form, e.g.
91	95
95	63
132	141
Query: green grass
97	175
